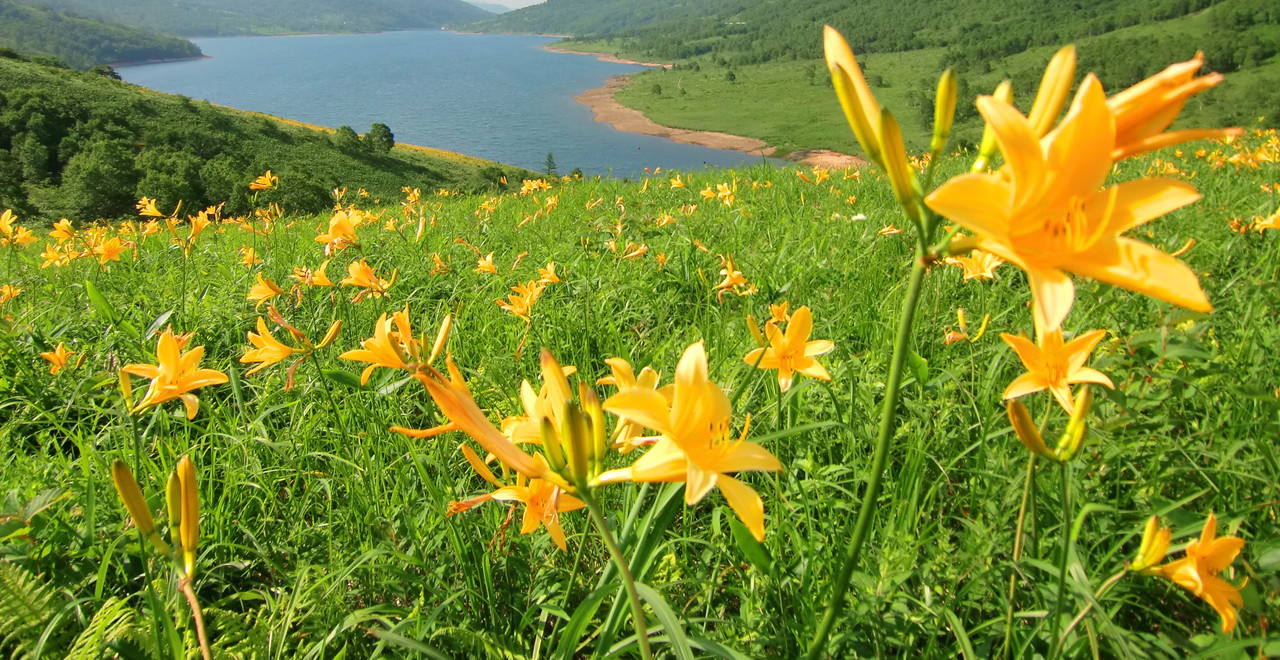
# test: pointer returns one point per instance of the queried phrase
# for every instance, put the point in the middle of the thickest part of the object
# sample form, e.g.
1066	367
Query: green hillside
83	146
83	42
735	58
238	17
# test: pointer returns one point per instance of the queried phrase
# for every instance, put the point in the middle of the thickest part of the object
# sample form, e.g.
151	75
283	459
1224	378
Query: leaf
671	624
158	323
750	547
400	641
344	378
919	367
571	636
100	303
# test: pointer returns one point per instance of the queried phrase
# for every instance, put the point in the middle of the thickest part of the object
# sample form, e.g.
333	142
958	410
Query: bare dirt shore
607	109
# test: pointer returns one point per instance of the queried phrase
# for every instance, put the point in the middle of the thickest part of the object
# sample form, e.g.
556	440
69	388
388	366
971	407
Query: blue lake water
499	97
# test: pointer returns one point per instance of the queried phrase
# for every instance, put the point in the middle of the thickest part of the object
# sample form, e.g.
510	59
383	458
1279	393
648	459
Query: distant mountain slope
241	17
81	145
83	42
751	31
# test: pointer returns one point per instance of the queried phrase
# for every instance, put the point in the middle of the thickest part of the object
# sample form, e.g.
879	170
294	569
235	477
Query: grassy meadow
323	534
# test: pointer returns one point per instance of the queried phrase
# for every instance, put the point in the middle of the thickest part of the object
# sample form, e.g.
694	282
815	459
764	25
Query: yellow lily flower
521	302
360	274
977	265
175	375
267	350
265	181
695	446
791	352
628	434
317	277
1044	210
63	231
57	357
249	257
543	501
1055	366
263	290
8	292
1198	571
390	348
548	275
342	231
485	265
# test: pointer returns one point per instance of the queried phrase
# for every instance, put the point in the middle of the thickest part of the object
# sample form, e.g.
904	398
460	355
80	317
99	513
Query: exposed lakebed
499	97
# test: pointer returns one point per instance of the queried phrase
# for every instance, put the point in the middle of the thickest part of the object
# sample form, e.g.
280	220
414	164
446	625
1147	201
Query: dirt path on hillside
607	109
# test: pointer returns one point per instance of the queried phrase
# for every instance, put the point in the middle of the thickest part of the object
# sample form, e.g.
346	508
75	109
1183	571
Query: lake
499	97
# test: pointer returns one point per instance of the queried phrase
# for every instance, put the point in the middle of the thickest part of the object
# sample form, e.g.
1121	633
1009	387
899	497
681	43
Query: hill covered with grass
83	146
83	42
736	58
243	17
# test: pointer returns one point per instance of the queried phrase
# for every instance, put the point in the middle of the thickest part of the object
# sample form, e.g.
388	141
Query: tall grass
326	535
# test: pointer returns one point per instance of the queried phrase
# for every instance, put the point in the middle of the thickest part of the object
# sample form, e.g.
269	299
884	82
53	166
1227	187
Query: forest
246	17
83	145
83	42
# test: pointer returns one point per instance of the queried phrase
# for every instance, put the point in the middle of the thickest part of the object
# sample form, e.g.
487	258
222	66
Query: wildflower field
576	418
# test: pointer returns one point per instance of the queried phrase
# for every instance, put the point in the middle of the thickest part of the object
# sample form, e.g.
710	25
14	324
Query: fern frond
113	623
26	605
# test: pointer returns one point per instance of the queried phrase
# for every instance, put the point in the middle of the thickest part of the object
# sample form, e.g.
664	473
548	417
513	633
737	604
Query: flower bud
1155	544
189	527
1025	428
131	497
988	148
1054	87
173	506
894	153
944	112
1073	437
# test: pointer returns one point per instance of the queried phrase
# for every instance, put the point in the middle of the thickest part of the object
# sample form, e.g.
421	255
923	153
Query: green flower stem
184	585
888	424
637	609
1062	563
1017	552
333	405
1111	581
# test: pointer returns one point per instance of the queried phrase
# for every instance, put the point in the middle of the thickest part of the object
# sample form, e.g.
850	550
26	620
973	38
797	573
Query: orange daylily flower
1144	111
57	357
628	434
342	231
485	265
63	230
394	345
1045	210
317	277
249	257
695	446
267	350
360	274
175	375
543	501
1198	571
1054	365
263	290
548	275
109	250
977	265
791	352
8	292
265	181
521	302
733	278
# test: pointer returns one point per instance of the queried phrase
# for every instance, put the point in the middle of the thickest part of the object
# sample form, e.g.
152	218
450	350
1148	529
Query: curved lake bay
499	97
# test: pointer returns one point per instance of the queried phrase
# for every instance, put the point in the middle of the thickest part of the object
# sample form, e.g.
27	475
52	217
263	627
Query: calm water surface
499	97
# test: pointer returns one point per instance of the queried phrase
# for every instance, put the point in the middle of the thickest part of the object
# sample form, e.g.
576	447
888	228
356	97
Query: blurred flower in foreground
8	292
1054	365
695	446
175	375
791	352
1143	111
1046	212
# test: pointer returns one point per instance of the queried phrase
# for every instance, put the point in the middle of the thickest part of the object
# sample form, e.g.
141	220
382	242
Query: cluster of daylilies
1046	211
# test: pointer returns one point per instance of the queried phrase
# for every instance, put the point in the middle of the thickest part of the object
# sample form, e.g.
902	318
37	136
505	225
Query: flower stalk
624	570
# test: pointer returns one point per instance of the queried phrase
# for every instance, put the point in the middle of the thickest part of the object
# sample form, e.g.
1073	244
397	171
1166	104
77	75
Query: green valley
84	145
734	59
83	42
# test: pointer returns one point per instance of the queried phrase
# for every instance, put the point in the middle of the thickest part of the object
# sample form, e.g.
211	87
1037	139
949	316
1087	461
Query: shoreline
607	109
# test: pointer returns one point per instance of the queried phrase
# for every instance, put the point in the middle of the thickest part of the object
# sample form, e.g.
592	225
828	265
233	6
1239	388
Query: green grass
326	535
904	82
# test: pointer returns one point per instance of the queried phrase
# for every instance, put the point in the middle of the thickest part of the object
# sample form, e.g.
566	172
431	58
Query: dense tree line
238	17
83	42
84	146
